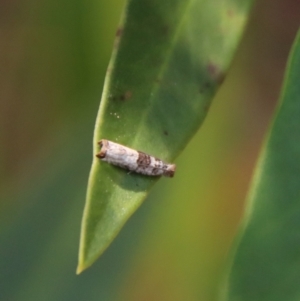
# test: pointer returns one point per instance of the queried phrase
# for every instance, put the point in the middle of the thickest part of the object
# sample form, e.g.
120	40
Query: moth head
103	148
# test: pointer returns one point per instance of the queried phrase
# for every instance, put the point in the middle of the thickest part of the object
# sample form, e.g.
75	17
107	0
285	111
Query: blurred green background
53	58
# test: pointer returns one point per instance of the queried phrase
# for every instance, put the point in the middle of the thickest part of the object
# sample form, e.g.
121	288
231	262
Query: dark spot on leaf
119	32
212	69
125	96
118	35
166	133
215	73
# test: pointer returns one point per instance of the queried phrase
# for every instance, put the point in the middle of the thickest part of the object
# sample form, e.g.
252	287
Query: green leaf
169	59
266	265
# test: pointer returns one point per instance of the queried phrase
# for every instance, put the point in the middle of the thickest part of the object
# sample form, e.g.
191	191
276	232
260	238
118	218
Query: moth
133	160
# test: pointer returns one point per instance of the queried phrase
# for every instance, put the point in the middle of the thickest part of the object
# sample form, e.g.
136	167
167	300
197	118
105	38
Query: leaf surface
169	59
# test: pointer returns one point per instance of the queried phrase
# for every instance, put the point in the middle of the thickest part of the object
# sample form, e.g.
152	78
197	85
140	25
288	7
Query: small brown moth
133	160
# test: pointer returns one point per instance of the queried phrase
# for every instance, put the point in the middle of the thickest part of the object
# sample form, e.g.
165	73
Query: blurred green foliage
53	60
266	262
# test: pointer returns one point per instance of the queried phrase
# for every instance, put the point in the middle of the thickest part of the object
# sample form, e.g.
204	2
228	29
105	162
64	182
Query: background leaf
166	67
266	265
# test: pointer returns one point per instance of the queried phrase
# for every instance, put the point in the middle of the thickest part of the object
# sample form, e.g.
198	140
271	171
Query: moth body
133	160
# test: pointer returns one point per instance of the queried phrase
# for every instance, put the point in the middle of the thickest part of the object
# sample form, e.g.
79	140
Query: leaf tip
80	268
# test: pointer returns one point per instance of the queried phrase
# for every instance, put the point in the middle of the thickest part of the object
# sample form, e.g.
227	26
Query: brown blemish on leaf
215	73
166	133
119	32
118	35
125	96
212	69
